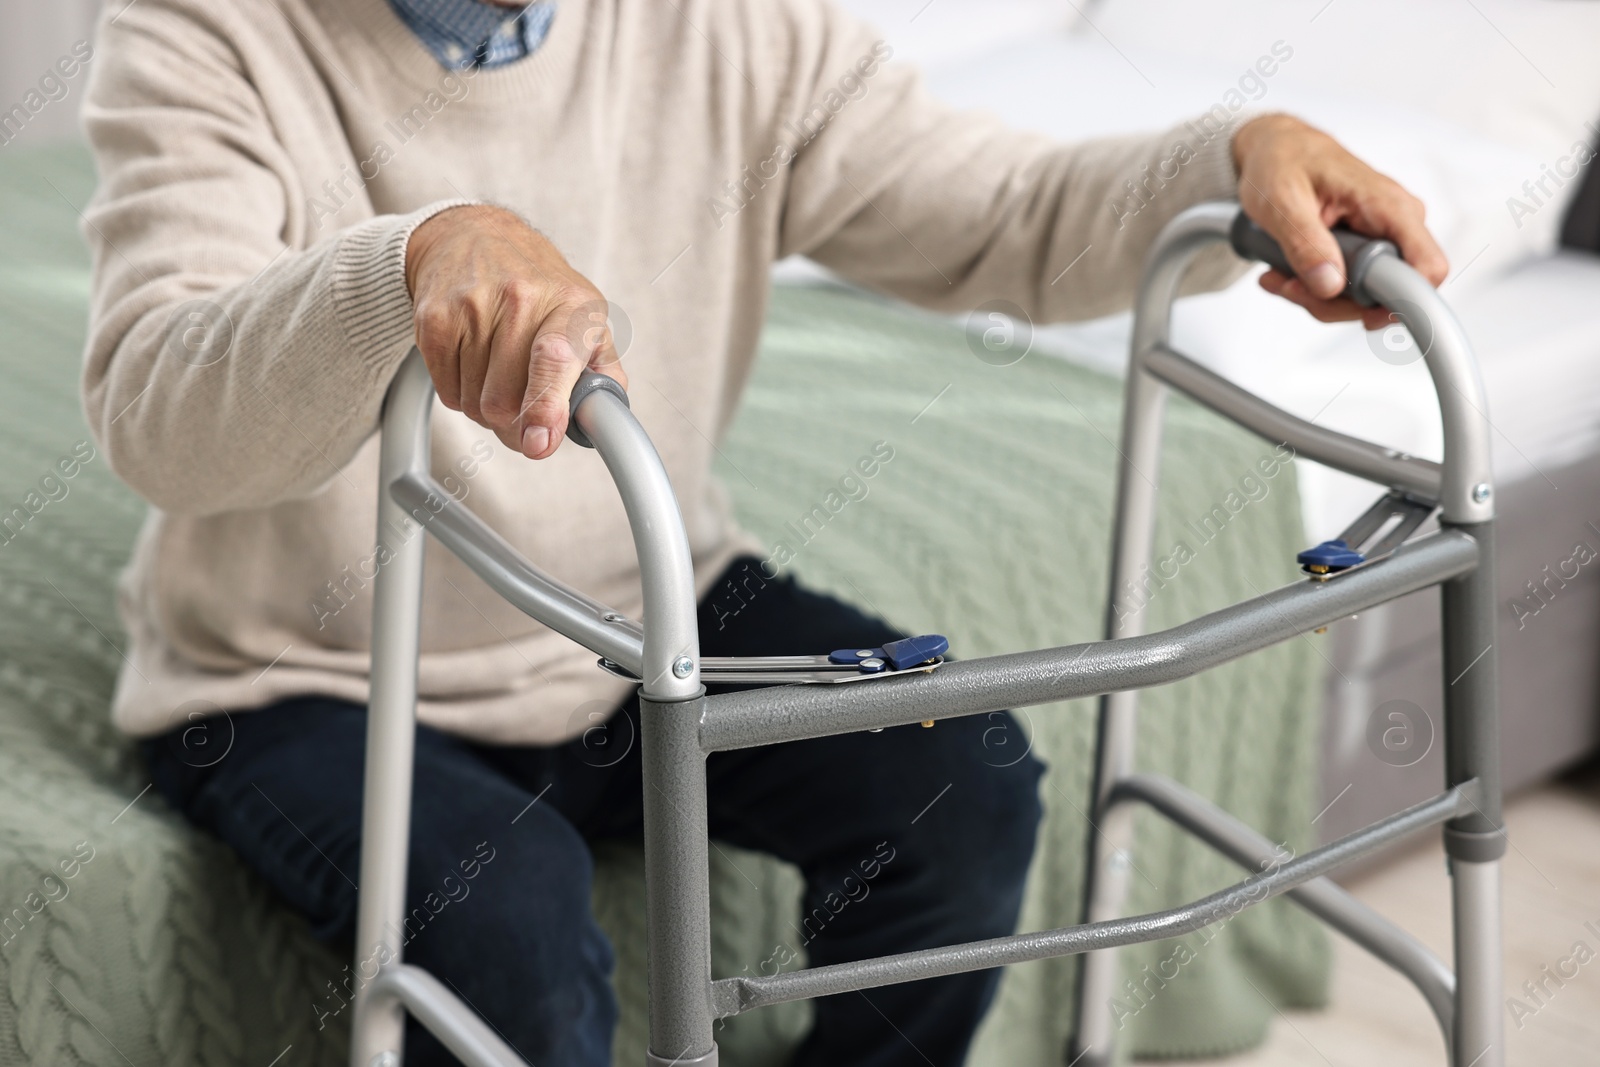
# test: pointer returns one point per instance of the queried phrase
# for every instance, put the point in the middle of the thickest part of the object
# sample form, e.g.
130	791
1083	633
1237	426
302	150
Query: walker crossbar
735	995
1022	679
1420	477
1322	898
525	587
458	1027
680	724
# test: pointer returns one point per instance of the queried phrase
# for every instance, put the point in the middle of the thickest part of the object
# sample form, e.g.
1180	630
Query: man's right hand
505	324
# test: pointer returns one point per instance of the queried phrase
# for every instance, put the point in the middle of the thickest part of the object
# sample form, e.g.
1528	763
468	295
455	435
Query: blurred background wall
33	35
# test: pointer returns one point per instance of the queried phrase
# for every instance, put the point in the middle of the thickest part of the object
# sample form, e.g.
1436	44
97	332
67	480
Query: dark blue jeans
907	838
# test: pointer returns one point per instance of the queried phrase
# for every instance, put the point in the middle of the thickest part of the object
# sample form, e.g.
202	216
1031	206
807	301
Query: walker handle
589	383
1250	241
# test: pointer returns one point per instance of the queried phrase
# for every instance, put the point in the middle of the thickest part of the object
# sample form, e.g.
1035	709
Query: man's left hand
1297	182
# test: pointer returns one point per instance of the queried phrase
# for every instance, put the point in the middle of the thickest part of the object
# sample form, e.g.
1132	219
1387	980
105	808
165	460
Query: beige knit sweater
262	163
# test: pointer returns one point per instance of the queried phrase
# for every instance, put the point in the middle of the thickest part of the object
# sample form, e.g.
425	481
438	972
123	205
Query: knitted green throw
127	937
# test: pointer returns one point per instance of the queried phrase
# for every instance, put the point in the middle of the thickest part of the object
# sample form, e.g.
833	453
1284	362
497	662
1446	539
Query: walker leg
677	885
1475	900
1106	879
1474	842
377	1028
1111	826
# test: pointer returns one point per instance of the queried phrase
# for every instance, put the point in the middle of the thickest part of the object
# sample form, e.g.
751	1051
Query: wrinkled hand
1297	182
505	324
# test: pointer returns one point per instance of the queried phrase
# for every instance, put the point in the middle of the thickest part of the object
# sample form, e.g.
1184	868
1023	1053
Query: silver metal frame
680	725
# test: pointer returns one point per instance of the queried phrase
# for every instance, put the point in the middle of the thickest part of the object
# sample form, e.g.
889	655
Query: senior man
293	192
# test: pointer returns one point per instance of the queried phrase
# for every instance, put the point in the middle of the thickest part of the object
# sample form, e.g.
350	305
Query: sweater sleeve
230	363
949	209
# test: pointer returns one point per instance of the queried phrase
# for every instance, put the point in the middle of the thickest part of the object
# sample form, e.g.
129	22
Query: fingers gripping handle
1252	242
589	383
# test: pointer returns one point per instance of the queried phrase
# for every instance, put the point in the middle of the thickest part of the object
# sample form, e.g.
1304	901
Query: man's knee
979	832
1019	814
527	891
992	827
1003	823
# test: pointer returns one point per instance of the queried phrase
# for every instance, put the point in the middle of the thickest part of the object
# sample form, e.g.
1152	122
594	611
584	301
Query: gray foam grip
1252	242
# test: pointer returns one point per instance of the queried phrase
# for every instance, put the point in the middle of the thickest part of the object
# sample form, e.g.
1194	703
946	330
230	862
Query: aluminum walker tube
677	871
1476	841
379	1023
667	649
744	993
1322	897
1111	828
1462	487
1020	679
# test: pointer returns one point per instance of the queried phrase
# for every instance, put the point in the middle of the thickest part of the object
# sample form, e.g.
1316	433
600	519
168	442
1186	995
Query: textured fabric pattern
467	33
990	524
161	948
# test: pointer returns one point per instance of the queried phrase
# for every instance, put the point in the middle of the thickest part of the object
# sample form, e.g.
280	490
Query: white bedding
1534	317
1521	72
1536	331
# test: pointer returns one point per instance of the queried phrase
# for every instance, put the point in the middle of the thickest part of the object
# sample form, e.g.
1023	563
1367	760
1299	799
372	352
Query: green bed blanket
128	938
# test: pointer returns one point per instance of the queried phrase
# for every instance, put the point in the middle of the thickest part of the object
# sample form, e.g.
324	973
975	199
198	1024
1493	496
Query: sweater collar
365	25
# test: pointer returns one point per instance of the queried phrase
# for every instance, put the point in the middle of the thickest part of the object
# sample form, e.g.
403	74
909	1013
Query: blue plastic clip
898	655
1329	557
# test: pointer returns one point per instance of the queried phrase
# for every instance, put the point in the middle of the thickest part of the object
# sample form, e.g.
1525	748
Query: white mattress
1534	317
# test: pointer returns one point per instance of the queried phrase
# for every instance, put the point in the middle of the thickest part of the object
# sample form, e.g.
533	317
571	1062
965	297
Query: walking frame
1372	563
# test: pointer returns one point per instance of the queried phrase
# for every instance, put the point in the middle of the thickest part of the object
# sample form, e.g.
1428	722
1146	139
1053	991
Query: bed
161	948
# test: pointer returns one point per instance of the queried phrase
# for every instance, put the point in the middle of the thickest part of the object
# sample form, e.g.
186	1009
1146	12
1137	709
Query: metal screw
683	666
1480	493
612	616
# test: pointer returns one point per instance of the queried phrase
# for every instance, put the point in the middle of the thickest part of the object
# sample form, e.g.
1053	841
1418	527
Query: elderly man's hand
505	324
1296	181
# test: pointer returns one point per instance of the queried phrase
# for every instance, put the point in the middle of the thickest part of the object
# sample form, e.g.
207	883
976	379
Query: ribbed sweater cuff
369	284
